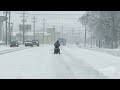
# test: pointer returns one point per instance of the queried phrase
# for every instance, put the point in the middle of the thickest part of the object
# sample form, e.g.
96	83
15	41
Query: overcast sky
69	19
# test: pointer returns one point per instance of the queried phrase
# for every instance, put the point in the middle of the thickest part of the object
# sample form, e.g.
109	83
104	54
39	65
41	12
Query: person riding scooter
57	45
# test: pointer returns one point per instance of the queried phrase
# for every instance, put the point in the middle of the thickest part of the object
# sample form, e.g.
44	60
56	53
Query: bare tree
105	26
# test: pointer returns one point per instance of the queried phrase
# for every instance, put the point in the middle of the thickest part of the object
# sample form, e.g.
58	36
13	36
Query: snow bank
111	71
4	47
115	52
105	63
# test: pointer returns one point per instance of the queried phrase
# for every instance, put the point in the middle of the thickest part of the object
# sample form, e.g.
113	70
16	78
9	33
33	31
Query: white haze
69	19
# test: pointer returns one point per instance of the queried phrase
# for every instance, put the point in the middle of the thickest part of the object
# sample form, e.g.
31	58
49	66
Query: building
53	34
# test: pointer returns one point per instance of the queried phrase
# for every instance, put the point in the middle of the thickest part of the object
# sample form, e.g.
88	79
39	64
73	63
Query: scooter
56	51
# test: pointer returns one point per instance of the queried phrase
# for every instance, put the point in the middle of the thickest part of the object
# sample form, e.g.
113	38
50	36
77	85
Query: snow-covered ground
72	63
4	47
115	52
104	60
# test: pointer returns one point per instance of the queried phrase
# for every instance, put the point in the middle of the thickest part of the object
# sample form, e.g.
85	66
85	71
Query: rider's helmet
57	41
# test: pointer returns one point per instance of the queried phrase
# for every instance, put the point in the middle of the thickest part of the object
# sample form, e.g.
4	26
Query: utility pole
85	30
43	30
91	39
23	21
11	31
85	37
9	27
23	27
79	37
34	21
2	31
72	35
67	36
62	30
54	33
6	25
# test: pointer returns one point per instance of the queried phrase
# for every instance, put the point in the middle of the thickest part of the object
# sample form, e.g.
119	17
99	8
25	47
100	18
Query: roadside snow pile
4	47
114	52
106	64
111	71
72	45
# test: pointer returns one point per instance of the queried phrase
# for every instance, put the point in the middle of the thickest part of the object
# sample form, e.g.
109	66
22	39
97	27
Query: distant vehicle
28	43
62	41
77	43
35	42
14	44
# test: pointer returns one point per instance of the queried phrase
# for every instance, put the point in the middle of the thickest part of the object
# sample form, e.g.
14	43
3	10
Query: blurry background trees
104	27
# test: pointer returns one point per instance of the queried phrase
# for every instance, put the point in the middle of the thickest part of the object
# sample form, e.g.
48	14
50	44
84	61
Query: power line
61	16
52	14
57	14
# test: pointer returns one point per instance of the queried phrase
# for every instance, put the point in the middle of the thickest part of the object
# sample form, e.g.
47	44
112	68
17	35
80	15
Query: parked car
35	42
28	43
14	44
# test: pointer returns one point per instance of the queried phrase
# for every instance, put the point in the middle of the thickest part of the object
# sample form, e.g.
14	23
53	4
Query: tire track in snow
12	50
80	68
60	69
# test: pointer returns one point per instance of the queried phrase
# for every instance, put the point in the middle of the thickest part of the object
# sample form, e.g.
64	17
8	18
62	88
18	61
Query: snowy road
41	63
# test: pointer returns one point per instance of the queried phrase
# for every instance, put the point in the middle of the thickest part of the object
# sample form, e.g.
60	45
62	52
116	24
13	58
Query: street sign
25	27
50	30
2	18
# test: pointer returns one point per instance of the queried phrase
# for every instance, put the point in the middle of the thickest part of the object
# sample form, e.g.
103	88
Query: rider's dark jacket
57	45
